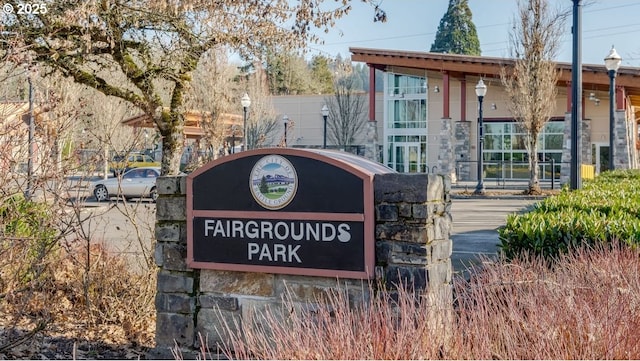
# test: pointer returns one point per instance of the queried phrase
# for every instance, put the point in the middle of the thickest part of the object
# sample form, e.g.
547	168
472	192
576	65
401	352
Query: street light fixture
325	114
481	91
612	63
246	103
285	120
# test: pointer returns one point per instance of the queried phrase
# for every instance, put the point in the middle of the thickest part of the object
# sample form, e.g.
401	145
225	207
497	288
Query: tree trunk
534	179
172	147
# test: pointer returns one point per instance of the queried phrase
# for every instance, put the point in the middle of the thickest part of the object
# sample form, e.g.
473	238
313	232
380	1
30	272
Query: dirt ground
69	341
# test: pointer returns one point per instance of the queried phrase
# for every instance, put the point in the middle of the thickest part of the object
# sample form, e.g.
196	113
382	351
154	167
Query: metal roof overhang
594	77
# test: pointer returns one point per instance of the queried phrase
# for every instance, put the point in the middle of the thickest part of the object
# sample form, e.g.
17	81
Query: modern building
430	111
305	122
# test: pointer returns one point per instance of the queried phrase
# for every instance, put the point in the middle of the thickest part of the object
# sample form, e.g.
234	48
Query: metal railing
502	171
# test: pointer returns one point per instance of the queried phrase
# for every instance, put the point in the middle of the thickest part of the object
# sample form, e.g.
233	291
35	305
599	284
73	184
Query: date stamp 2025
25	9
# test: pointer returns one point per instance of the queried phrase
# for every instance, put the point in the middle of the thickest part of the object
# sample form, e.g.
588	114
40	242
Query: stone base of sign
413	247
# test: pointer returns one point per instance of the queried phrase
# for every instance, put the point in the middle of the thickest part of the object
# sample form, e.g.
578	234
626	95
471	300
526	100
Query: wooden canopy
193	123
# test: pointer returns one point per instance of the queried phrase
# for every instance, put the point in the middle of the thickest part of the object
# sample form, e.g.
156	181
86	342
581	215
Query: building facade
305	123
429	117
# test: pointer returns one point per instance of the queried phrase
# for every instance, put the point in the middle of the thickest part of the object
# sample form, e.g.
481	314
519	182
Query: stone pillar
446	158
623	142
585	140
371	144
371	147
462	151
176	284
413	228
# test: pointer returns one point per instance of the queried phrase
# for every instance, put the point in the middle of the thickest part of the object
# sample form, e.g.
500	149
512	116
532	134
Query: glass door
600	156
409	158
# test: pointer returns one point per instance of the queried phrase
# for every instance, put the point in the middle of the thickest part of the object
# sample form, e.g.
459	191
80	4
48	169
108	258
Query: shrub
105	301
400	327
56	283
603	210
587	306
27	235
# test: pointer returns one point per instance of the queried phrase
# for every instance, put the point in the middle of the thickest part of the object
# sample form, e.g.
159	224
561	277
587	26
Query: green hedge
27	228
605	209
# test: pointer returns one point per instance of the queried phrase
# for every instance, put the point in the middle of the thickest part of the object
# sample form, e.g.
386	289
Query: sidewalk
475	223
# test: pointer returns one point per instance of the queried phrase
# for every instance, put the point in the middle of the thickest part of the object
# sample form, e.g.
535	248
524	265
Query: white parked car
135	183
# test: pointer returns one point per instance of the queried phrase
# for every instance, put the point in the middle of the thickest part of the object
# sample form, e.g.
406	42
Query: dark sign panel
285	211
276	242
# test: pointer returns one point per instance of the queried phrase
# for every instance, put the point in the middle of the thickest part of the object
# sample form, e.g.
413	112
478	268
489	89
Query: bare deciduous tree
154	46
263	123
346	112
213	93
530	83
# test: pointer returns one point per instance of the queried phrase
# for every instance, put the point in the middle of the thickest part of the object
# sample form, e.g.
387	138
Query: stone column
585	138
176	284
462	151
446	158
413	228
371	147
585	141
623	142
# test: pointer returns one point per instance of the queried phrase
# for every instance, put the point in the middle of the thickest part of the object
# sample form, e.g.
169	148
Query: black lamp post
325	114
285	120
233	140
246	103
481	91
612	63
575	179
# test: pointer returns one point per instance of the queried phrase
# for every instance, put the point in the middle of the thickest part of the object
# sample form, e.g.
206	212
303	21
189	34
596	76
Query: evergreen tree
456	32
361	72
264	188
287	73
322	76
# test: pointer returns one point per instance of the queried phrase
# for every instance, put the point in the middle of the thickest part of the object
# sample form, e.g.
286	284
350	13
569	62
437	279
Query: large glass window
406	102
398	84
407	113
506	156
406	123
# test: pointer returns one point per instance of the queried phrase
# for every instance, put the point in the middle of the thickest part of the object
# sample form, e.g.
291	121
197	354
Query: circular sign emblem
273	182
